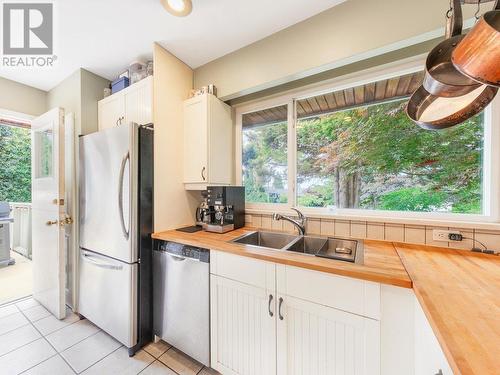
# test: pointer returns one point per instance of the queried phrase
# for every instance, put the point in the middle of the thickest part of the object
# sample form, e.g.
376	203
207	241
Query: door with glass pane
48	209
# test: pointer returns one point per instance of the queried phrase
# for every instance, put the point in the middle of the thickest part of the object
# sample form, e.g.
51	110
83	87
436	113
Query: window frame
491	155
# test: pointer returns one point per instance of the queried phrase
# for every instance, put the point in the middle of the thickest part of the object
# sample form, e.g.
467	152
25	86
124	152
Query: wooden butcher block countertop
459	292
382	263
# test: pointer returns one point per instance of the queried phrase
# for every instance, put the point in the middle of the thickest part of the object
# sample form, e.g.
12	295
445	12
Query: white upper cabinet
208	142
111	111
133	104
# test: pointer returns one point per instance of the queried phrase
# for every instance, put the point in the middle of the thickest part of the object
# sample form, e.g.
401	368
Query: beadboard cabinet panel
318	340
243	328
110	111
138	103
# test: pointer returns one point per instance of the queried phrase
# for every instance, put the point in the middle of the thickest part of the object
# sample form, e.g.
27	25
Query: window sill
424	221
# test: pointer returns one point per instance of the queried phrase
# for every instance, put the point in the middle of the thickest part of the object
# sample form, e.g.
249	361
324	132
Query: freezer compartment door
108	295
181	311
108	192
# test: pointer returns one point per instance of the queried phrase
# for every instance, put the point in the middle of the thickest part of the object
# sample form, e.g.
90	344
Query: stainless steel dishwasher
181	298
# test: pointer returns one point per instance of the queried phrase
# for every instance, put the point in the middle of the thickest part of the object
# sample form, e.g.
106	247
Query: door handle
279	309
269	305
68	220
203	173
120	195
50	222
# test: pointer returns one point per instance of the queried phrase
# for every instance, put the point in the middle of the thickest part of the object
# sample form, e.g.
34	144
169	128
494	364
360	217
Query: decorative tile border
409	233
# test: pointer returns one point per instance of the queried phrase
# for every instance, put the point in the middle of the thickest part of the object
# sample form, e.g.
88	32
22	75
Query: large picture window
355	149
374	157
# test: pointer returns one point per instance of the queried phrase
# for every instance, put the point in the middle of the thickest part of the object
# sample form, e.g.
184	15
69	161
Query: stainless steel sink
343	249
308	245
326	247
270	240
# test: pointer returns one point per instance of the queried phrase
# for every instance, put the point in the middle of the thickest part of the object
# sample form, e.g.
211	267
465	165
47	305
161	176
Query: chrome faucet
300	223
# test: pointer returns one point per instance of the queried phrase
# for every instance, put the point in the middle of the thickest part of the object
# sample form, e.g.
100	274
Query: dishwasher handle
178	258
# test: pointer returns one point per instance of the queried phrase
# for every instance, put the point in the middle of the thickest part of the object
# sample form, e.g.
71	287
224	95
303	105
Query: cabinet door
196	140
138	102
111	111
317	340
243	328
429	357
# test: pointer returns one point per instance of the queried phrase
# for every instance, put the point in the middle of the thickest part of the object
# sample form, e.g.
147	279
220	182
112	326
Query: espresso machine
224	210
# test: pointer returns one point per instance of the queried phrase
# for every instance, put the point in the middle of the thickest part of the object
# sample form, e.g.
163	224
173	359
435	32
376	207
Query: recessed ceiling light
179	8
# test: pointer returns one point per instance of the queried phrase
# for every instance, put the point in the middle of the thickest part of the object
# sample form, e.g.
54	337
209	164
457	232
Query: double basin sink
326	247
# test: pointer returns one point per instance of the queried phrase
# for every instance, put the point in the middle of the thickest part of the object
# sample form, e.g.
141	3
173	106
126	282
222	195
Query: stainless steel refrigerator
116	222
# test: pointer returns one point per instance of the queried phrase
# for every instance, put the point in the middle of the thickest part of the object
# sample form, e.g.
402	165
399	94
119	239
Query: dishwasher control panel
184	251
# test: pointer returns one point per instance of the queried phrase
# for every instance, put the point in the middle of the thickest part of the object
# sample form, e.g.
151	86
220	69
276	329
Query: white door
243	328
48	211
111	111
317	340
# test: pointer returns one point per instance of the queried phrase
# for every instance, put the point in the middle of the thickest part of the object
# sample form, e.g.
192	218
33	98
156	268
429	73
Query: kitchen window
264	155
353	151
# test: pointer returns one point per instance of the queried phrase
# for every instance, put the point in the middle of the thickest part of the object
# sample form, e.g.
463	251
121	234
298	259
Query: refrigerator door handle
97	262
120	194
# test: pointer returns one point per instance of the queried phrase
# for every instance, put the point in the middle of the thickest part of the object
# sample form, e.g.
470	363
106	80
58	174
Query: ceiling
370	93
105	36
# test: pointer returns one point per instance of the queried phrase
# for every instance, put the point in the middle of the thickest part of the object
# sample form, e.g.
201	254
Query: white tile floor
33	342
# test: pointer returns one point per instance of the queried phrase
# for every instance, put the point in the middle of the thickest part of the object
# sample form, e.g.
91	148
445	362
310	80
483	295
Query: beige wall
352	31
92	90
173	79
21	98
79	94
67	95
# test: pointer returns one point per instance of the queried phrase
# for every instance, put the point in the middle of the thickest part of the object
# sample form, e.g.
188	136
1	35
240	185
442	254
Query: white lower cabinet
315	339
429	357
243	339
259	327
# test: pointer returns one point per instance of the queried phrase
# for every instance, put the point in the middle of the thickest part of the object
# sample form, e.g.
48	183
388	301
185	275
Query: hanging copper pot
441	77
478	54
434	113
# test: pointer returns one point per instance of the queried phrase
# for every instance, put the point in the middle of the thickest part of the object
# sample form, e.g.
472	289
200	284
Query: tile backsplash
410	233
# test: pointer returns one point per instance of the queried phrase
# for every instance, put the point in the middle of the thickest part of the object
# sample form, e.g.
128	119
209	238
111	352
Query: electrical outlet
443	235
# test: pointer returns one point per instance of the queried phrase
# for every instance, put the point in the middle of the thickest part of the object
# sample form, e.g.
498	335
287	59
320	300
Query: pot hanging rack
447	96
